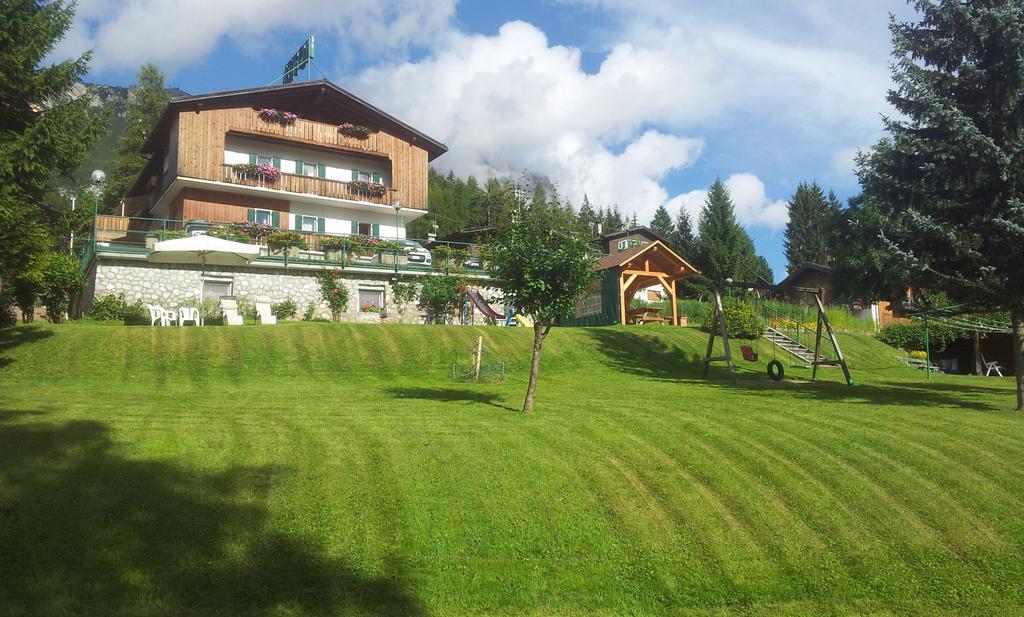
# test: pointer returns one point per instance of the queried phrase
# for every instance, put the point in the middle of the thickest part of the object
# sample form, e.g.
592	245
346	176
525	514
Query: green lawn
319	469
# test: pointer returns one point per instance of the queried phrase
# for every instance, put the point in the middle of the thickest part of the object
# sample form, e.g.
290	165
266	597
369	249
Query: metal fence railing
138	235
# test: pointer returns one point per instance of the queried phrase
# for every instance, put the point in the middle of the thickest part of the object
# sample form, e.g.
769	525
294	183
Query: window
264	160
628	243
364	176
365	229
309	169
215	288
371	297
309	223
590	305
264	217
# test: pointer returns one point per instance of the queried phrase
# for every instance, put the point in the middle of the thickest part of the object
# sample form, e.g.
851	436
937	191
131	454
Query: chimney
598	227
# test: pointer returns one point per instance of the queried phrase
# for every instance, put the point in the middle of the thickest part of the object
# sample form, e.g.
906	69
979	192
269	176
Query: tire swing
775	370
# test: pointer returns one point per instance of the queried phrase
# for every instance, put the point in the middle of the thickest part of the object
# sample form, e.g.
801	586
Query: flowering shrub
256	231
355	130
229	232
262	171
333	292
369	307
284	118
362	187
282	240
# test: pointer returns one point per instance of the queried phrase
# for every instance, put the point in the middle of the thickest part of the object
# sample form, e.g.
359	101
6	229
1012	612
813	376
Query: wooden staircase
794	348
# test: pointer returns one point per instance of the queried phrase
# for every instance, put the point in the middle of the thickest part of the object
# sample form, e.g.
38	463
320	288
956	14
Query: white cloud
172	33
753	207
511	103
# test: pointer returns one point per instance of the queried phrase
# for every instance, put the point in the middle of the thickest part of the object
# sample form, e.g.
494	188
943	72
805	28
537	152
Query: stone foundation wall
173	286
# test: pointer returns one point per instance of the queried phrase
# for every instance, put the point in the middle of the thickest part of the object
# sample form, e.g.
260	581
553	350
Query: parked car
474	262
416	253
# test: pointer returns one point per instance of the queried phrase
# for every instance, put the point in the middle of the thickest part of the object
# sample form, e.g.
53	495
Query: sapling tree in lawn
543	261
947	182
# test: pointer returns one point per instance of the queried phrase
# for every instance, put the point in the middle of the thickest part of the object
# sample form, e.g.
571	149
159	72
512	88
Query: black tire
775	370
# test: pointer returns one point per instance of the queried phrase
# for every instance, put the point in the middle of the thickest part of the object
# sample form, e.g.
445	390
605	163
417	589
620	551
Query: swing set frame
824	327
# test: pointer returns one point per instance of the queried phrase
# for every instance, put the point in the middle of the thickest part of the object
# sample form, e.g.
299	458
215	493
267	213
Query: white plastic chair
187	313
168	317
155	315
991	366
267	317
230	309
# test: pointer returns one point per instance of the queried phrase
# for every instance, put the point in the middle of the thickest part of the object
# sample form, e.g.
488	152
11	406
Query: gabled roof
318	100
617	260
635	231
804	269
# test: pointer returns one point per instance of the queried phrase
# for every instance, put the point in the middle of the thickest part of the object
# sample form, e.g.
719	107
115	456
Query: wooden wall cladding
201	138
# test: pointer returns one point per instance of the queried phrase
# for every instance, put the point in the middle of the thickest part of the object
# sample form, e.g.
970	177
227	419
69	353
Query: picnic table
644	315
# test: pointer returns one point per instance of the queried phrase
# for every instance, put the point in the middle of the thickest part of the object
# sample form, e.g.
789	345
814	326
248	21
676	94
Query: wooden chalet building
340	167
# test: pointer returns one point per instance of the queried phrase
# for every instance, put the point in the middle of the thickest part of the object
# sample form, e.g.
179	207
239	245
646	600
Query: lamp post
98	178
397	205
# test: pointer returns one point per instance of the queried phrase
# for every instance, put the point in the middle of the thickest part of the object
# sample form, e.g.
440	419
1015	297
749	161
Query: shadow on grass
84	530
652	358
449	395
19	335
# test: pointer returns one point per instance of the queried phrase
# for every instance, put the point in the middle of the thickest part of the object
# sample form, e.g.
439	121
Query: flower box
390	258
357	131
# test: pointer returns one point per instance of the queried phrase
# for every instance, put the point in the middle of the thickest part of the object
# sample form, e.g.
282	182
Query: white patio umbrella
205	250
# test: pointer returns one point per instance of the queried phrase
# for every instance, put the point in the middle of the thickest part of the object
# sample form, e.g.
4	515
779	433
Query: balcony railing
138	235
321	187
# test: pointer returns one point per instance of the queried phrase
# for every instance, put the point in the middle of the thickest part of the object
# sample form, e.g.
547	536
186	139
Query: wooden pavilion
626	272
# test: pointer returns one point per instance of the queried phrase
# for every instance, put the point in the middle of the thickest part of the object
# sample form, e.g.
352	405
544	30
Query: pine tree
661	224
147	103
682	237
810	231
613	220
723	247
946	186
634	222
44	132
588	218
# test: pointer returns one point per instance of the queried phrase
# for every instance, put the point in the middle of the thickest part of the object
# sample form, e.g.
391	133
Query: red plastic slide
481	304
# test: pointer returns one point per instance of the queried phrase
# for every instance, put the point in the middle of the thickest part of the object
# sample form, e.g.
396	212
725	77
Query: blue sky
637	108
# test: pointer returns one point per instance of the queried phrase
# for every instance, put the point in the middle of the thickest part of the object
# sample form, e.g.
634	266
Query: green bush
333	292
7	310
440	295
910	336
247	309
310	311
230	232
283	240
285	309
115	308
743	321
60	281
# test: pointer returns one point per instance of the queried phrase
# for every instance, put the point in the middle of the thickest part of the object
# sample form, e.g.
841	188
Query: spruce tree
682	237
810	230
44	131
723	247
945	187
661	224
613	220
588	218
147	103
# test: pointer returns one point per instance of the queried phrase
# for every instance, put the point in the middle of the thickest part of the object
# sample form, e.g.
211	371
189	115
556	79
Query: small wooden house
622	274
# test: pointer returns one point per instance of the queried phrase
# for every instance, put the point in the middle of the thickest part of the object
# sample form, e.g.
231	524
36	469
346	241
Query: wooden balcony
320	187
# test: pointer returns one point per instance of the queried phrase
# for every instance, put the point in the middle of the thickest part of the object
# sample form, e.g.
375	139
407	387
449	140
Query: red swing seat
748	353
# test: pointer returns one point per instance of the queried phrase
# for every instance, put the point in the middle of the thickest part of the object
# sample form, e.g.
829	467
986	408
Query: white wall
339	220
338	166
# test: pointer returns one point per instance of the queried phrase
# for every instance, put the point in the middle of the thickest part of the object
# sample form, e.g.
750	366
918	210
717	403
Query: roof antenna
302	59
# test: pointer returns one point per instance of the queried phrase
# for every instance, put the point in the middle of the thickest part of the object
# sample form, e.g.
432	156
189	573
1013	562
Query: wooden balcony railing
320	187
